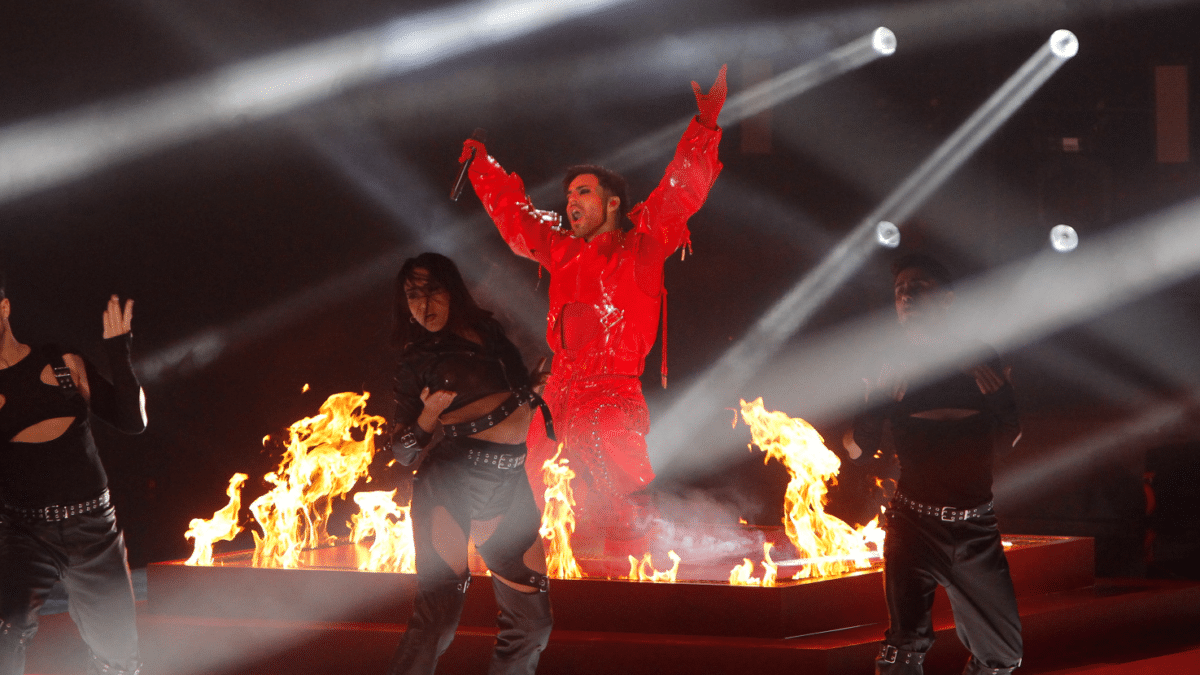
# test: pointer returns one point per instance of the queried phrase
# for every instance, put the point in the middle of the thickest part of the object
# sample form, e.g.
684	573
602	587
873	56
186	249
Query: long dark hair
464	312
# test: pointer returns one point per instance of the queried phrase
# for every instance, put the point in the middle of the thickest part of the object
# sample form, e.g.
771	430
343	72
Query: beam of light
822	139
622	71
229	646
1008	308
851	56
829	142
419	211
718	386
44	152
199	351
421	214
392	185
1090	374
855	54
1024	482
937	23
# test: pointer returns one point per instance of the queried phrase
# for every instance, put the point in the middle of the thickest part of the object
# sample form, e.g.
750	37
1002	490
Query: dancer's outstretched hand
116	321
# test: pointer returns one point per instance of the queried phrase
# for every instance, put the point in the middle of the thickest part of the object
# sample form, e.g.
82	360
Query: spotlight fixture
1063	238
887	234
1063	44
883	41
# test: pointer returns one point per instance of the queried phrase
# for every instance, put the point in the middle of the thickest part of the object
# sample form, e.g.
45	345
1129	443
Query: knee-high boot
436	612
525	622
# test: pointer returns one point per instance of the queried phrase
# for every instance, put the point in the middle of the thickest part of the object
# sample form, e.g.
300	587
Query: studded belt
495	460
948	514
501	413
58	512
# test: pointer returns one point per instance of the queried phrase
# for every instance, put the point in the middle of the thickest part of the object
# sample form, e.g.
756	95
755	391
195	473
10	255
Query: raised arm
121	403
528	231
690	175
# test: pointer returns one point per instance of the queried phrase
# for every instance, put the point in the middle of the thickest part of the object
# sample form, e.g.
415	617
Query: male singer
606	293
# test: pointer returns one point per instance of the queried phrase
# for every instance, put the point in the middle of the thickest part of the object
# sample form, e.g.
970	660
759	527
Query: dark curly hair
613	182
464	312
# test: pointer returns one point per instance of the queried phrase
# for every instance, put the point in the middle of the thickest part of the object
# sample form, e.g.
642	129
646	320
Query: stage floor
234	619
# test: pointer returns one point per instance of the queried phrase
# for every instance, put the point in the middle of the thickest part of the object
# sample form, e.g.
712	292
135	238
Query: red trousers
601	422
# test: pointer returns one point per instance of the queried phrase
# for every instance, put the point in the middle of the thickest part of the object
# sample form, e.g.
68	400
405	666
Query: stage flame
828	545
391	525
740	574
325	457
558	518
645	570
223	526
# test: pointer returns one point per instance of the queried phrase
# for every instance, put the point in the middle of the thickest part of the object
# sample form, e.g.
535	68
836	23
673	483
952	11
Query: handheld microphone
456	191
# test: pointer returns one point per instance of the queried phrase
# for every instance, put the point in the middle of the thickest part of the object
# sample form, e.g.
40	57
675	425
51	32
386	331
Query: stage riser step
596	605
1062	631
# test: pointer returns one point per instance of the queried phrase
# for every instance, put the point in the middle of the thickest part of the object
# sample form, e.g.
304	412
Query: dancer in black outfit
464	402
941	528
57	522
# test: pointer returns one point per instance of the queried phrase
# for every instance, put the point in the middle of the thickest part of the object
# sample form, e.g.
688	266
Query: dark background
260	253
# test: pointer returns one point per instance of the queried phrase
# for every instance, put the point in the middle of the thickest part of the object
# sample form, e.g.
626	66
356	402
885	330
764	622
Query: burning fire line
325	457
558	518
740	574
393	549
223	526
827	545
644	569
322	461
327	454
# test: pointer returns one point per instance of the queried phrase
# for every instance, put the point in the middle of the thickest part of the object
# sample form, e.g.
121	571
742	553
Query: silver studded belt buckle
510	461
888	653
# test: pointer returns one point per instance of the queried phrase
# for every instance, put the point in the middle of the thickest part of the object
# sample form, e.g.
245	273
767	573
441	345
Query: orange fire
323	461
326	456
558	518
740	575
379	516
644	570
223	526
827	545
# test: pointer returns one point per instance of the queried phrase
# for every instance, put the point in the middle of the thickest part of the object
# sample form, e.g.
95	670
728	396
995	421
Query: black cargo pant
967	558
87	552
469	491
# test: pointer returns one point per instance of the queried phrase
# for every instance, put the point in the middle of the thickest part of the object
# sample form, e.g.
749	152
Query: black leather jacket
447	361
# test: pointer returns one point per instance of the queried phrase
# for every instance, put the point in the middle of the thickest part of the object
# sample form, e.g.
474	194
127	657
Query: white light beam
44	152
719	385
802	78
